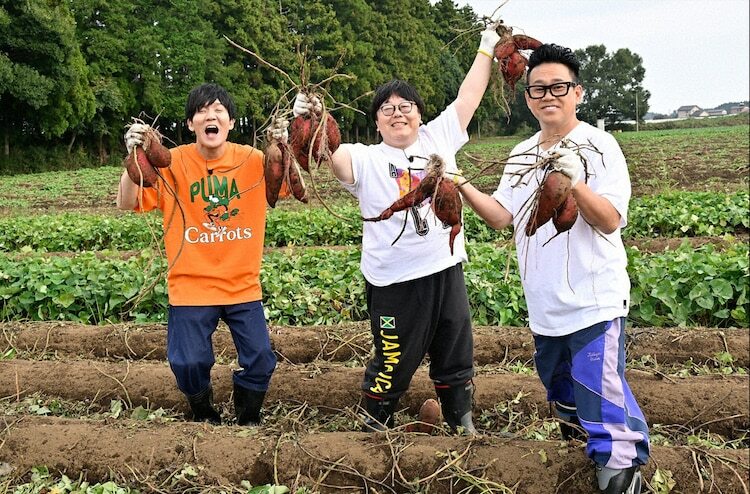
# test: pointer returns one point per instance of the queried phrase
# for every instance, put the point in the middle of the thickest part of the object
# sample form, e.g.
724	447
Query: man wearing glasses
575	282
416	294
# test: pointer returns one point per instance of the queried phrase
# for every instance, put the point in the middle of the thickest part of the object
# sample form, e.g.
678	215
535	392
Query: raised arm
475	83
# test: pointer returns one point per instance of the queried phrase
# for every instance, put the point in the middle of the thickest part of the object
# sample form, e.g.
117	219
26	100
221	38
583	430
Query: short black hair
205	94
397	87
552	53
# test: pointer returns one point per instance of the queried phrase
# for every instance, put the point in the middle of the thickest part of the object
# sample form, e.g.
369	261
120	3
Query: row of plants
672	214
683	287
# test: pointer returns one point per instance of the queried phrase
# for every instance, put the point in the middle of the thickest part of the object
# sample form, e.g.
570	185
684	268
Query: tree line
73	73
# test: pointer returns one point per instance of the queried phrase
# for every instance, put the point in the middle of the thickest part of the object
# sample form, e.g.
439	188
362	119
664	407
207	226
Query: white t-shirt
579	278
381	176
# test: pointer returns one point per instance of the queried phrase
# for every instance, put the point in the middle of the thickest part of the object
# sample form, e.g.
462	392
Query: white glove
304	105
489	40
279	129
568	163
134	136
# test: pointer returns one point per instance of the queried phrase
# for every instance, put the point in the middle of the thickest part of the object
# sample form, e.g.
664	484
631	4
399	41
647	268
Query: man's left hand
569	163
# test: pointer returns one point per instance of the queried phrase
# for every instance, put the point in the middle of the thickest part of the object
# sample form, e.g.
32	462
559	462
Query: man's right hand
304	105
135	136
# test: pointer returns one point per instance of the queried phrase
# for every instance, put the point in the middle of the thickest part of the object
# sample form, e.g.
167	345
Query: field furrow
305	344
713	403
160	456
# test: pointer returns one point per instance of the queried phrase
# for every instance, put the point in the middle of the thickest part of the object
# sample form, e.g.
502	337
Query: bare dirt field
311	433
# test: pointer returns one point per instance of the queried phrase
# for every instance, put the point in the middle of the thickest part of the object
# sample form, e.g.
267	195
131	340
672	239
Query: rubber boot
570	425
456	404
619	481
379	414
247	404
202	406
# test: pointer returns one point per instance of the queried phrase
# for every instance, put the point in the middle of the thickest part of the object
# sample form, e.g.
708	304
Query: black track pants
428	315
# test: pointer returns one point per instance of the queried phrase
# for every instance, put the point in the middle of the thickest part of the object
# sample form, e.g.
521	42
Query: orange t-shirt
214	225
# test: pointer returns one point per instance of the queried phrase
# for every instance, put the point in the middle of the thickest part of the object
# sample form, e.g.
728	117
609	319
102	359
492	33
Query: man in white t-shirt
416	293
575	280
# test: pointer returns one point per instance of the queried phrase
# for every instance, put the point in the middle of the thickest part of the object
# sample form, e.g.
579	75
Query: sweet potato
504	48
448	207
139	168
327	140
274	171
428	419
444	193
295	180
414	197
523	42
565	215
553	192
513	69
332	140
158	155
301	134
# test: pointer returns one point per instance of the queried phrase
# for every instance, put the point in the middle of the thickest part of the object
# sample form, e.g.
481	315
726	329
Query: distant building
688	111
716	112
737	109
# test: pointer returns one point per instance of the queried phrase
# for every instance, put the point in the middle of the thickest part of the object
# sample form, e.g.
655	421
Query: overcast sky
695	52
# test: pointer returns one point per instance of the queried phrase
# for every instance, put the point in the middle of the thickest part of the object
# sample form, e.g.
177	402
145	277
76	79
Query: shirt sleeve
609	177
358	153
446	133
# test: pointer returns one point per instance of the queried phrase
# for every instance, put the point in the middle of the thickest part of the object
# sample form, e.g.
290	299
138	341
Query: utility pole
636	110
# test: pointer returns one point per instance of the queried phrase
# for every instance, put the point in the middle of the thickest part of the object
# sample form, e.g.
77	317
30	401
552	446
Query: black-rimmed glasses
557	89
404	107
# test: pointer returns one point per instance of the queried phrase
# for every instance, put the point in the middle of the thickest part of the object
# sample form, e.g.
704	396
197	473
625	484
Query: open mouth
212	129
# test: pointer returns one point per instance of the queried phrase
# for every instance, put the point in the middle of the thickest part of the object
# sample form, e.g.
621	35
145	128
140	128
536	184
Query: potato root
565	215
158	155
274	170
429	418
280	167
143	160
511	63
553	192
139	168
446	201
447	207
295	181
327	139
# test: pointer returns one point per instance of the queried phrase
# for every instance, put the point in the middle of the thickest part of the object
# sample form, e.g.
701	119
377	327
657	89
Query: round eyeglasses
557	89
404	107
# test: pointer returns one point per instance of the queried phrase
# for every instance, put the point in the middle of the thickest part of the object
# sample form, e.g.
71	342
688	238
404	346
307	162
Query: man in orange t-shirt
212	197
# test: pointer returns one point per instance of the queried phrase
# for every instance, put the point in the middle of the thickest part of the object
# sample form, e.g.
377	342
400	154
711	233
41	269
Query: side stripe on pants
588	368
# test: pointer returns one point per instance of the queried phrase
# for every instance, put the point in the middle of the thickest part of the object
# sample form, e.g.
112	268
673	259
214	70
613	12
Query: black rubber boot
570	426
202	406
247	404
456	405
379	414
616	481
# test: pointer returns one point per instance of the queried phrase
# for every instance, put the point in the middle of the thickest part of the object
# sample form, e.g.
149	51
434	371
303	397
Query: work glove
489	40
457	177
303	105
134	136
279	129
569	163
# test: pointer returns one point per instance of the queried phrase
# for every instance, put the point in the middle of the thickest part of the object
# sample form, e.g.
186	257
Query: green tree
258	26
103	29
613	85
44	89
